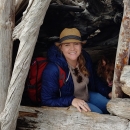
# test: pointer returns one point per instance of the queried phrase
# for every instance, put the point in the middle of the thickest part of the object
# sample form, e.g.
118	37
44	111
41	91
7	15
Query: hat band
70	37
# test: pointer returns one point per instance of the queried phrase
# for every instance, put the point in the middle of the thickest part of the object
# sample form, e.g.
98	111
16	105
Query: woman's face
71	51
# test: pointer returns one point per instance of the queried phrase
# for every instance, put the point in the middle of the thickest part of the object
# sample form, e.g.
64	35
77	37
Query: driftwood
122	56
6	29
125	79
96	15
18	3
50	118
27	32
66	8
20	7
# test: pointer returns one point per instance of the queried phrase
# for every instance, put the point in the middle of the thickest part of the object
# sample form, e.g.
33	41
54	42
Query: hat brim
58	43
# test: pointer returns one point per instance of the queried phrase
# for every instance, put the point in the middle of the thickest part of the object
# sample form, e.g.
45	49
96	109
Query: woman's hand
80	104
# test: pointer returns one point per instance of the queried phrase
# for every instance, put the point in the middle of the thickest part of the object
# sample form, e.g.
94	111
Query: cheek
79	49
64	51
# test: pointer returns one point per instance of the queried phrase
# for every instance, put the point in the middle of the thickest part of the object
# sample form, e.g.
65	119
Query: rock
119	107
125	79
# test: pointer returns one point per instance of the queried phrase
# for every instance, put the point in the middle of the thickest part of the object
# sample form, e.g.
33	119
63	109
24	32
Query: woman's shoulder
51	70
51	67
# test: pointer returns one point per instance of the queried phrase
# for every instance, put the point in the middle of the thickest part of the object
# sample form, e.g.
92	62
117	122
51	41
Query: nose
72	46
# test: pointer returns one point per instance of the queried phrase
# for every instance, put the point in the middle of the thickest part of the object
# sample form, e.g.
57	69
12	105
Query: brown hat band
70	37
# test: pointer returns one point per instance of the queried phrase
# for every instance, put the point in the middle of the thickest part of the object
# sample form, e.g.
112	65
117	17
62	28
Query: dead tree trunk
6	27
27	32
122	55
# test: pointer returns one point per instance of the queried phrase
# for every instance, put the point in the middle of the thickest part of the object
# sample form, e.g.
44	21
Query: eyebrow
66	43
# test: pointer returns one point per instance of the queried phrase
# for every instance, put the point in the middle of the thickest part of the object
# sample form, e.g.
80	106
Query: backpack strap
62	76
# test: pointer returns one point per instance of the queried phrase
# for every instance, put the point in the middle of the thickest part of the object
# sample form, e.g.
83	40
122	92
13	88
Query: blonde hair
82	67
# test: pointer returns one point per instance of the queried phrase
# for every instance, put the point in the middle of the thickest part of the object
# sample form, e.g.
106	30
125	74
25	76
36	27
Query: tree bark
27	32
122	56
6	28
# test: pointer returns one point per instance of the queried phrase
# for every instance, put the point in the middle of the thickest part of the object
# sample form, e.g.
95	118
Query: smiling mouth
72	53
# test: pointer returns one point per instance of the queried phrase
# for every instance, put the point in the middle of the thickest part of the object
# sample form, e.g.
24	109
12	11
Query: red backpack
35	77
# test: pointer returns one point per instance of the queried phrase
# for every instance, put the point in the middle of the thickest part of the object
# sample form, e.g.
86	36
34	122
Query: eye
76	43
66	44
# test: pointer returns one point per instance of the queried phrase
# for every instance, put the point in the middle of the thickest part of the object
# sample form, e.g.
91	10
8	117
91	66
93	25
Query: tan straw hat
70	35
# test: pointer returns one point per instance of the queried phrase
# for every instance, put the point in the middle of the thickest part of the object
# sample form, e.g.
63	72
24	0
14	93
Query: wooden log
122	55
81	3
119	107
53	118
66	8
18	3
20	7
27	32
7	11
125	79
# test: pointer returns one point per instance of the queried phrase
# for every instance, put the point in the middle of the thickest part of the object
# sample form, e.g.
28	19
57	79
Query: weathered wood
81	3
27	32
18	3
122	55
88	21
19	10
119	107
6	28
66	7
125	79
51	118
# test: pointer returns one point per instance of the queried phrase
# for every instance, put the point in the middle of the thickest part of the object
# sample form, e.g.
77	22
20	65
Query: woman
76	63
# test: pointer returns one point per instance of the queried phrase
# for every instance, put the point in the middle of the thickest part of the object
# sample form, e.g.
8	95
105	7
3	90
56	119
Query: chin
73	59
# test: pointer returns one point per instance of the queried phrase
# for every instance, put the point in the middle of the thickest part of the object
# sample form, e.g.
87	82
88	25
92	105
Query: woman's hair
82	67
